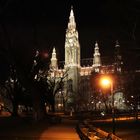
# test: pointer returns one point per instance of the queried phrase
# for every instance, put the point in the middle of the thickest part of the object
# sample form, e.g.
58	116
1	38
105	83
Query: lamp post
107	82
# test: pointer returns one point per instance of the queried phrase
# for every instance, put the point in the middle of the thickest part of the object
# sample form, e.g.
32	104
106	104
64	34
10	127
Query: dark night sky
41	24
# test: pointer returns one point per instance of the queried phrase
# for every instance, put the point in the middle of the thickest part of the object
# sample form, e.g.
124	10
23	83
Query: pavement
64	130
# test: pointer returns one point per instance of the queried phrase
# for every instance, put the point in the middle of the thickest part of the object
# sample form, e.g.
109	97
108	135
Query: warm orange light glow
105	82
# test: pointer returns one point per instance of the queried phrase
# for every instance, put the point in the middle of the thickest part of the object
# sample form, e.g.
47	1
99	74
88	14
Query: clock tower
72	56
72	47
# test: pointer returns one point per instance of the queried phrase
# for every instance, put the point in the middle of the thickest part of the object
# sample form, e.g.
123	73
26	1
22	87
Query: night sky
27	25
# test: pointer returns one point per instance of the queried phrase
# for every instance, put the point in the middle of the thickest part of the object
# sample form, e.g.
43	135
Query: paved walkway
65	130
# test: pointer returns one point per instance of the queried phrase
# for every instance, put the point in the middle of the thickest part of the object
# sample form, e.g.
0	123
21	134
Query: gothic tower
72	55
96	58
54	60
72	47
118	58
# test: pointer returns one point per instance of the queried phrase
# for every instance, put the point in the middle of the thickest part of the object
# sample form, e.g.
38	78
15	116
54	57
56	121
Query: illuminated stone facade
77	83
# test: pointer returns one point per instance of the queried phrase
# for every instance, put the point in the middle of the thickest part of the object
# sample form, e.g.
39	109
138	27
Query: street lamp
107	82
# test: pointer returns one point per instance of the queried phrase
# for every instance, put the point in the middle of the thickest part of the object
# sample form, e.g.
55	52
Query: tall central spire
72	23
72	46
72	57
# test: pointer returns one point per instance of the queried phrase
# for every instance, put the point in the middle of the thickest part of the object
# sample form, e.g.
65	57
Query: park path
63	131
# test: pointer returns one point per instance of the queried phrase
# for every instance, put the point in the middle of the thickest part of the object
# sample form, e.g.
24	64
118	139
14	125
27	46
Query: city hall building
77	91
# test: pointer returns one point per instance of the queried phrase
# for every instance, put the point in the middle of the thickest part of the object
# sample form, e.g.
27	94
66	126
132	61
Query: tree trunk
39	110
106	107
64	107
136	111
95	106
15	108
53	105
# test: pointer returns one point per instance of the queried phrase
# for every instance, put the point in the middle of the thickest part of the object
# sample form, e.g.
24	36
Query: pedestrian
71	111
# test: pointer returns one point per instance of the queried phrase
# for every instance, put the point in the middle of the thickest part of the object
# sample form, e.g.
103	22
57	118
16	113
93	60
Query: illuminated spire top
71	12
71	24
54	59
96	45
117	44
54	54
96	53
96	56
54	51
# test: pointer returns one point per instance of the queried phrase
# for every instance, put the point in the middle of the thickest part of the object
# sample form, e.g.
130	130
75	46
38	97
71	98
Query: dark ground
24	129
127	130
12	128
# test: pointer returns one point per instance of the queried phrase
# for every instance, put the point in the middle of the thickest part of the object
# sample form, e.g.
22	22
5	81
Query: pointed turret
72	23
54	60
117	58
96	56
